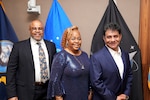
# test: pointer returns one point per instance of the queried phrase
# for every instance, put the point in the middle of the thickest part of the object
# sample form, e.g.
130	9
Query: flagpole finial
2	5
115	2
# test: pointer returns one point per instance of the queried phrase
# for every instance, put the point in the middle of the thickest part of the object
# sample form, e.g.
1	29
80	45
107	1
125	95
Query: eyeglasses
37	28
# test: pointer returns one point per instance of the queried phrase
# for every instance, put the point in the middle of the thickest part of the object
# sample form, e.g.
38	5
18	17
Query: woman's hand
122	97
58	97
90	95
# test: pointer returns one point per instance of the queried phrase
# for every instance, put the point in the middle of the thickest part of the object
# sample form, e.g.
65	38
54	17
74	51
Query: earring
66	43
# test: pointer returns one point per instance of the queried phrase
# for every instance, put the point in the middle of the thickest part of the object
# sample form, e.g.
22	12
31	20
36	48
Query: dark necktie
43	64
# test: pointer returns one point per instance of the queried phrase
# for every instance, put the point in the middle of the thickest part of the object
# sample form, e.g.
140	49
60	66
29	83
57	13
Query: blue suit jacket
105	78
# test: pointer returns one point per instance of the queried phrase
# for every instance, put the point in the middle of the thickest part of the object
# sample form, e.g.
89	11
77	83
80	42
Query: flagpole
1	3
115	2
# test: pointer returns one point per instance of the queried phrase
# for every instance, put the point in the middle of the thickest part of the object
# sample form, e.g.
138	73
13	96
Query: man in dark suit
111	74
23	69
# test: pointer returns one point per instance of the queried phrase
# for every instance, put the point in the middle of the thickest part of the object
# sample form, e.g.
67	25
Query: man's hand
13	98
122	97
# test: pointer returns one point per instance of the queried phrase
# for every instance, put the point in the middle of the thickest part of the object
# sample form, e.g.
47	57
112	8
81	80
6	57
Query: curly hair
67	35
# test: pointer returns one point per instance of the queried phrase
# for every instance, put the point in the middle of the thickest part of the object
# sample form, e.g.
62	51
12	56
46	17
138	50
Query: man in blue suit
111	73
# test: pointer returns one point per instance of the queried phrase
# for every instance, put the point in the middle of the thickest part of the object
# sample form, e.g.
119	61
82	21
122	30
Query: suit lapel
124	62
49	50
28	51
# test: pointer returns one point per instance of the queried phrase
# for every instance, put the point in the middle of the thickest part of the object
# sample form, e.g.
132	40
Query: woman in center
69	79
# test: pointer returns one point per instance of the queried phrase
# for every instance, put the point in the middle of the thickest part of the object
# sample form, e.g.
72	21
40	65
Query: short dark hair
112	26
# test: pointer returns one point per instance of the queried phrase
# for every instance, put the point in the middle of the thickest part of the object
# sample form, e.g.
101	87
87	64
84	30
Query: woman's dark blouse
67	78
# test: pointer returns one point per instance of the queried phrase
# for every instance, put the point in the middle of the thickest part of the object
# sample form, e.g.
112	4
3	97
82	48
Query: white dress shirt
35	52
118	60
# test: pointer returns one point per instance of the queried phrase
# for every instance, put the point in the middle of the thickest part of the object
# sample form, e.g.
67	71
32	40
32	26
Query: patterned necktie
43	64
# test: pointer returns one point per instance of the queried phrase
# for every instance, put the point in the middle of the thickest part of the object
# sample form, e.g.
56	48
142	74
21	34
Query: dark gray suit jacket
21	71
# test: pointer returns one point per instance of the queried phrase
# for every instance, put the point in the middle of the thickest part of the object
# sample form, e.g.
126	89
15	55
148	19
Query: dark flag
128	43
7	38
57	22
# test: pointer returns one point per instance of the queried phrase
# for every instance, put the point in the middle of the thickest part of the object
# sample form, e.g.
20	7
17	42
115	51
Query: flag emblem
5	49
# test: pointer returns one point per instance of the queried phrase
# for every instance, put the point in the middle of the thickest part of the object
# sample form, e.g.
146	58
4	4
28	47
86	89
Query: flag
3	95
149	78
57	22
128	43
7	38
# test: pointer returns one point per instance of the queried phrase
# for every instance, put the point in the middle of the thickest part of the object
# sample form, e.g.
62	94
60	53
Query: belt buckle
39	83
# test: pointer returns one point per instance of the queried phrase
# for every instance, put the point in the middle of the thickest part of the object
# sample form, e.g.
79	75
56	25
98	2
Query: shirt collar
33	41
114	52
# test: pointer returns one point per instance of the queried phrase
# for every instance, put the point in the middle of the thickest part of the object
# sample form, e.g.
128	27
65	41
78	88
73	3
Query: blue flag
3	95
7	38
57	22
